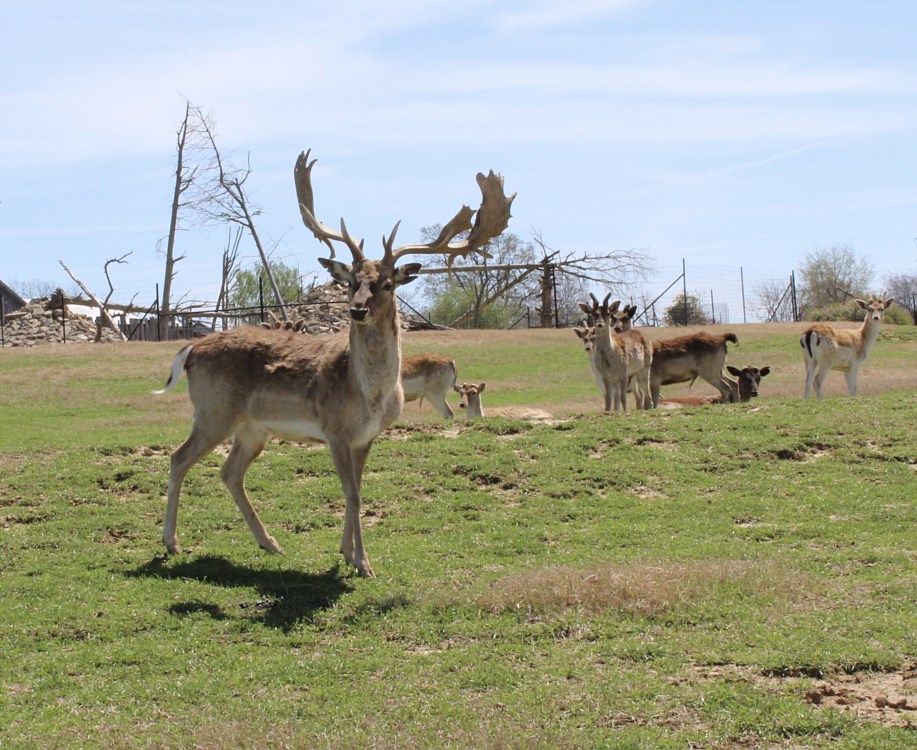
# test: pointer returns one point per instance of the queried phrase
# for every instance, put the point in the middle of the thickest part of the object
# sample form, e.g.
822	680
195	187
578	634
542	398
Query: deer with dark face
827	348
342	389
748	379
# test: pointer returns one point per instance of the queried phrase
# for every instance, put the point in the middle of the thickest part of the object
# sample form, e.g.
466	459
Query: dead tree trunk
102	309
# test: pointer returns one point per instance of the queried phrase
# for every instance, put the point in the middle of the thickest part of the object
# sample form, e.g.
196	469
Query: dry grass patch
644	589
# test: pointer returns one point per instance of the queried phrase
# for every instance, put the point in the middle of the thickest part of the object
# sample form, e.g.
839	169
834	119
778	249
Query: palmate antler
490	221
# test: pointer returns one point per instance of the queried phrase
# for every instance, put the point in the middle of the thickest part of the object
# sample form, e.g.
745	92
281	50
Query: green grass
647	580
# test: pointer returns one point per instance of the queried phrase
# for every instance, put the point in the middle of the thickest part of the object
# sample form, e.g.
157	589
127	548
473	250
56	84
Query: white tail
429	376
619	358
826	348
342	389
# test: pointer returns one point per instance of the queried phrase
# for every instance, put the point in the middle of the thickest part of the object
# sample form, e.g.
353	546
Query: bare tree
771	301
105	316
226	201
188	146
833	275
616	272
903	287
229	265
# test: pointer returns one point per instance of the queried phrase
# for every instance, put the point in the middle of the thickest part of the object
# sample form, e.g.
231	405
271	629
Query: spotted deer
342	389
826	348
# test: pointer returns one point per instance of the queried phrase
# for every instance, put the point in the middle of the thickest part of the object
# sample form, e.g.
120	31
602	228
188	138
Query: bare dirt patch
889	698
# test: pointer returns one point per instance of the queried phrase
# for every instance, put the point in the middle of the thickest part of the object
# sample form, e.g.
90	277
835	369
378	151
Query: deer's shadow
287	597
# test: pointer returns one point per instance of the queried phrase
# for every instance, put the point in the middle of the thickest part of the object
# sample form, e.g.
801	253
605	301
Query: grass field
740	576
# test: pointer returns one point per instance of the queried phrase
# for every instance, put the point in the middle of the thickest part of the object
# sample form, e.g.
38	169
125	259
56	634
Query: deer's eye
388	286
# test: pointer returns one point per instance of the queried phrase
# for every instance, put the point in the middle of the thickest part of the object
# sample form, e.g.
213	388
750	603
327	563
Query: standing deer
826	348
618	358
686	358
429	376
342	389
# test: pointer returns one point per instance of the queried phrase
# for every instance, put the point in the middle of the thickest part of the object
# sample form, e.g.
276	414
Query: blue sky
731	134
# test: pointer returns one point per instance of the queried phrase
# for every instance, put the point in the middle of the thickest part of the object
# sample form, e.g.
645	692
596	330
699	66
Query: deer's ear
888	302
456	388
862	305
764	371
339	271
482	387
407	273
734	370
585	308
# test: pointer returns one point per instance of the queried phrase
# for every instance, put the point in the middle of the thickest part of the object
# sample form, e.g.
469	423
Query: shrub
895	315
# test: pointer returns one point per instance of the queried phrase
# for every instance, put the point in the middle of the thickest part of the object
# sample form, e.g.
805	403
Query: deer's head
749	379
875	308
372	283
603	313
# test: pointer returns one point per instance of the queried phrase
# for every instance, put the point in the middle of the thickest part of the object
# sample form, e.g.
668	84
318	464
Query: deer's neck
869	332
375	356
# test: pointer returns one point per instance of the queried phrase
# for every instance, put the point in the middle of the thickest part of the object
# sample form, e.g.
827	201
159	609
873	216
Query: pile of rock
39	322
324	309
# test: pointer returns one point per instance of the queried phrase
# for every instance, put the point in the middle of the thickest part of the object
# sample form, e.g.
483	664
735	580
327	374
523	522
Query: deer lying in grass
745	389
686	358
619	358
429	376
826	348
342	389
474	409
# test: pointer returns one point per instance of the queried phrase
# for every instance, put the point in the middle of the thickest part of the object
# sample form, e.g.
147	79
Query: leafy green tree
685	311
249	283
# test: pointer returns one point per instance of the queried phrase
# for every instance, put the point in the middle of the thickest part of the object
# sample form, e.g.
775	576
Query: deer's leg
247	445
199	444
821	375
851	376
440	404
349	463
810	375
607	392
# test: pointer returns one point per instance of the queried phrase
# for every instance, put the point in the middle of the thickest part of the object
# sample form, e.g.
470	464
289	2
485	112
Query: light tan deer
341	389
586	334
429	376
826	348
618	358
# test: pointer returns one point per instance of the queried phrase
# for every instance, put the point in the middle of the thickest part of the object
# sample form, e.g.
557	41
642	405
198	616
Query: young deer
586	334
826	348
471	399
474	409
618	358
341	389
429	376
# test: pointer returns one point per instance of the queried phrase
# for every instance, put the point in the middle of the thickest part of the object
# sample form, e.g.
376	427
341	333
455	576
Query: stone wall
34	324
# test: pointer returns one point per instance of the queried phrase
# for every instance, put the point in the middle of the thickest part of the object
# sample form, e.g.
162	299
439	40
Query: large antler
492	218
302	176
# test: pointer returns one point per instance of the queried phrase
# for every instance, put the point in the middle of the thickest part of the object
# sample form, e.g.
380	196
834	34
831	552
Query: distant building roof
9	299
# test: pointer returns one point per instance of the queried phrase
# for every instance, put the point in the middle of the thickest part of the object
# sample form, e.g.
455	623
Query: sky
738	137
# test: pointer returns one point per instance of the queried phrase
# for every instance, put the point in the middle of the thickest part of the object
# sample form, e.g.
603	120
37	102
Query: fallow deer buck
618	358
826	348
342	389
429	376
